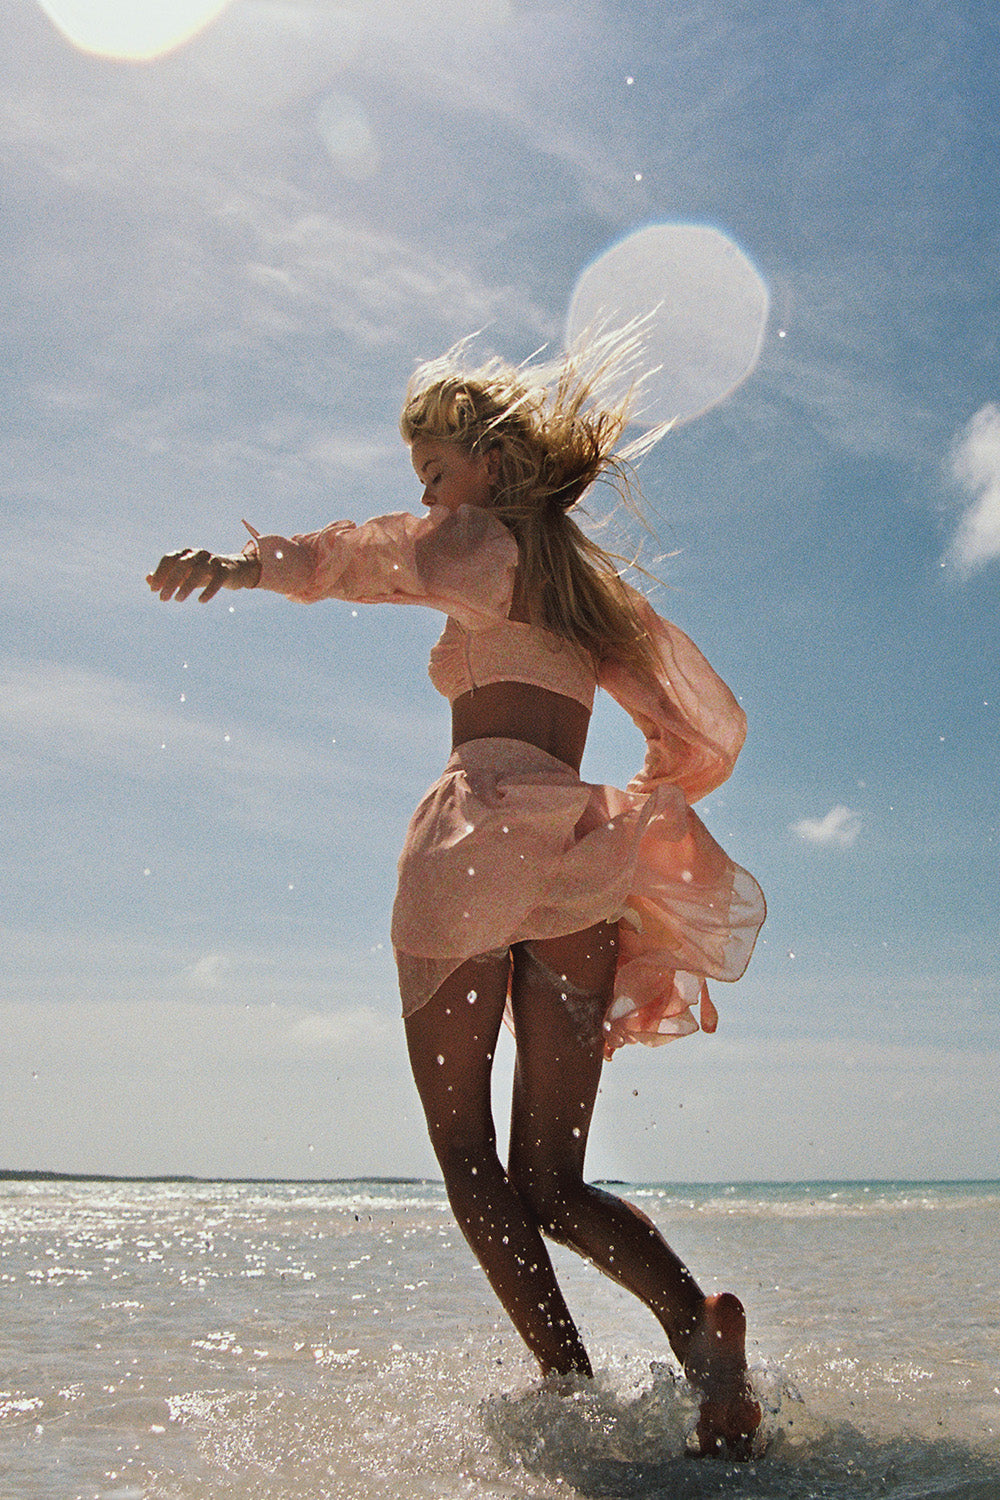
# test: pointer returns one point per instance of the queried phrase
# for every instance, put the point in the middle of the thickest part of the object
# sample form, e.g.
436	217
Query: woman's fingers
179	574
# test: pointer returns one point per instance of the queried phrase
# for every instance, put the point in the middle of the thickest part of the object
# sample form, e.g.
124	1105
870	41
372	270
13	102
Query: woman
590	915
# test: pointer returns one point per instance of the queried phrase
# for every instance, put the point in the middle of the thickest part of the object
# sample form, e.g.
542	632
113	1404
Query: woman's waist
523	713
506	758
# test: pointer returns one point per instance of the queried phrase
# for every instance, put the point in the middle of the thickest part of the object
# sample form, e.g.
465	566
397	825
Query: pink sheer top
513	651
463	563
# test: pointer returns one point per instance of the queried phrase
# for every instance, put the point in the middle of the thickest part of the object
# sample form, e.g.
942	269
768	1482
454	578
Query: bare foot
716	1363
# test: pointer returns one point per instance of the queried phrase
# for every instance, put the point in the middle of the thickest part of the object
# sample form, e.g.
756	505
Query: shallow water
184	1340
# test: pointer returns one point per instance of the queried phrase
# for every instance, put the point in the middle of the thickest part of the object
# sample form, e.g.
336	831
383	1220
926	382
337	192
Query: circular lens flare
704	310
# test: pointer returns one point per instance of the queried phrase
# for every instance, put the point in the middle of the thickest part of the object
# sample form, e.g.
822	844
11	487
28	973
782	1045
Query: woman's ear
493	463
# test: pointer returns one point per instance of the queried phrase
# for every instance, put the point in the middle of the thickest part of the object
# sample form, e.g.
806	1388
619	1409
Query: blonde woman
591	916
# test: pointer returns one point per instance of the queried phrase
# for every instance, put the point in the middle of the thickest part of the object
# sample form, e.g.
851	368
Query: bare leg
560	995
451	1042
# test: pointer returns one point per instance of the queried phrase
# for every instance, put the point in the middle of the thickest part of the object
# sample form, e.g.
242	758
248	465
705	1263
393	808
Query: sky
220	264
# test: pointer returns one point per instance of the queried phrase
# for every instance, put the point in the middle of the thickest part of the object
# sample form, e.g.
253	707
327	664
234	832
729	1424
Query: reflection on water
305	1341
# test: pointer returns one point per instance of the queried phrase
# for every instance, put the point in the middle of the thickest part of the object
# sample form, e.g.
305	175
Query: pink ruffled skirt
510	845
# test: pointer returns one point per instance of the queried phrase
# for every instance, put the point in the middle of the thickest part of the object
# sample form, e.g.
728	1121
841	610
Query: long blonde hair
552	440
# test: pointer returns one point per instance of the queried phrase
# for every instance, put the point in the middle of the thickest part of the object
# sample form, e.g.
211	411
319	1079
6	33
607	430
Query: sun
133	30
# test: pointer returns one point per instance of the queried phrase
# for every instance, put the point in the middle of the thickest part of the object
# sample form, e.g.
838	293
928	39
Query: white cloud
209	972
840	828
975	464
358	456
799	1109
55	715
79	965
260	1090
220	1089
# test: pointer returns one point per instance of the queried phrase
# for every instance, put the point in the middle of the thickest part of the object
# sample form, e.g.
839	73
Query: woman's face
451	476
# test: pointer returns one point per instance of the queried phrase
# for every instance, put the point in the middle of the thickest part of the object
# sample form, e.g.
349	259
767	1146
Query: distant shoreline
189	1179
8	1175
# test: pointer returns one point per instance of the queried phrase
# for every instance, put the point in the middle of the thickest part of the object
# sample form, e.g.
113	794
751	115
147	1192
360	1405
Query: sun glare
133	30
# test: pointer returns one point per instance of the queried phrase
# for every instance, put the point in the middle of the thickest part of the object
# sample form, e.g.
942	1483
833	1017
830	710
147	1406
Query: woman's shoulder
468	559
469	526
470	537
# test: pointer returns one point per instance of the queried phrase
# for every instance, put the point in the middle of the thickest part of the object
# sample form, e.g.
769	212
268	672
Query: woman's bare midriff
521	711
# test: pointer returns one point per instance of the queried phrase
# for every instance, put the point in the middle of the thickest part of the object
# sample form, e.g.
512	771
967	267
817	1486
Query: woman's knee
553	1197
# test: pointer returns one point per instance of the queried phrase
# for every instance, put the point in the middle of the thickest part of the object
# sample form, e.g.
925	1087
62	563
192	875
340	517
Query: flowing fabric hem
556	855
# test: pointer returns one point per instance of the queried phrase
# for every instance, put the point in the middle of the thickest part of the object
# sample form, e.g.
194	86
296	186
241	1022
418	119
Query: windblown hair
553	441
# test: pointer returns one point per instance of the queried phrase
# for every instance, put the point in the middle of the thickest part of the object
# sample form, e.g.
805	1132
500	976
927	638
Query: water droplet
472	997
440	1060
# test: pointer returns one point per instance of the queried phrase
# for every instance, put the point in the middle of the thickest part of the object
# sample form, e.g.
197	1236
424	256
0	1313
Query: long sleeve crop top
463	563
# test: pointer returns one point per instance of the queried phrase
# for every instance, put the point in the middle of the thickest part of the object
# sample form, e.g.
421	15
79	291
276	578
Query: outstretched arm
179	573
462	563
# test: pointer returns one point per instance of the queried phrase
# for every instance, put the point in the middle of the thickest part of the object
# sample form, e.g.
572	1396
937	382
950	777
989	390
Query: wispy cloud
57	714
221	1089
975	464
55	717
838	829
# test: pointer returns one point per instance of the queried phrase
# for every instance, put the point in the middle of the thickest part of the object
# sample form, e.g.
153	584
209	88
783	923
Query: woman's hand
179	573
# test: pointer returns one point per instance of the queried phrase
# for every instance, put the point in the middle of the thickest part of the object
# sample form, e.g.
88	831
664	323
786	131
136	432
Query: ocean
179	1340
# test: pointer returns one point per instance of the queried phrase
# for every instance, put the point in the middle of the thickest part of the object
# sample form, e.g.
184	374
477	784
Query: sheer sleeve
461	562
693	726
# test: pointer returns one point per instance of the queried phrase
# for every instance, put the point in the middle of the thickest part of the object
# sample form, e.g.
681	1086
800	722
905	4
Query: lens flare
705	309
347	135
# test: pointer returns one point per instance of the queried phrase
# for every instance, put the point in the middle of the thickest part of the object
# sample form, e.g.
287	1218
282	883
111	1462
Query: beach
177	1339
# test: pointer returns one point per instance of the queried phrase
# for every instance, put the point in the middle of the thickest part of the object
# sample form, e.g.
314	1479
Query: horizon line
11	1174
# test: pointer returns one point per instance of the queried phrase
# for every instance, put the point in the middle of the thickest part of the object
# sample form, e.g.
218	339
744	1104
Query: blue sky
220	266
